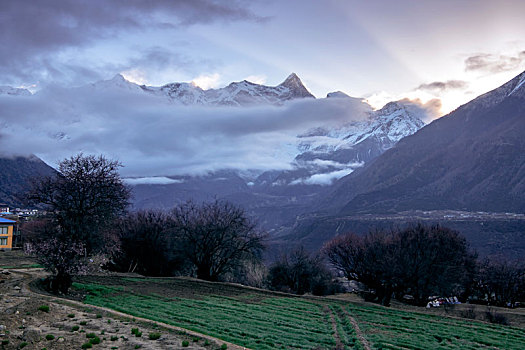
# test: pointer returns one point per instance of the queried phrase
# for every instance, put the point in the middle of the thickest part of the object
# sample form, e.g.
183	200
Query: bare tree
368	260
84	199
85	196
346	253
300	272
432	260
419	260
216	237
146	245
501	282
63	257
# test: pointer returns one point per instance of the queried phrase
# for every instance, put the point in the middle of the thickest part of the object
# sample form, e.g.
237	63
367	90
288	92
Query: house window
3	241
3	230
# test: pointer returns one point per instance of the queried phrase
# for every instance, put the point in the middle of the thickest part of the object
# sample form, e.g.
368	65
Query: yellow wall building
6	233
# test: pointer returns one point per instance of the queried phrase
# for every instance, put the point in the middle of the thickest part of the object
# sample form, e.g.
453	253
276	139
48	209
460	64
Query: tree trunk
203	273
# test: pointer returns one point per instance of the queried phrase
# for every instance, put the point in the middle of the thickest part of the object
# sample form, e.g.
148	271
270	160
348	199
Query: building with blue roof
6	233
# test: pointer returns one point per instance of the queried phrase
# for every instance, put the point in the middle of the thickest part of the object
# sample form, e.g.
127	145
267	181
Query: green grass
44	308
154	336
261	320
29	266
394	329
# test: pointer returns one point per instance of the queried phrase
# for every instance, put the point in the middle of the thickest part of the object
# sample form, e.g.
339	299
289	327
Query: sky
446	50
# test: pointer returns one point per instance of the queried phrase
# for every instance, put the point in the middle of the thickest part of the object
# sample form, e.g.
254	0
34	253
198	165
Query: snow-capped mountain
322	154
243	93
387	125
118	82
329	154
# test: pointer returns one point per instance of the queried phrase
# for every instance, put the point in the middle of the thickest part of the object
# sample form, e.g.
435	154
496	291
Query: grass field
264	320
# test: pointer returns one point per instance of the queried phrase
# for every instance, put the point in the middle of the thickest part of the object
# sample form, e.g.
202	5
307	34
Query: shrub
185	343
114	338
83	323
50	337
206	342
5	342
44	308
138	346
134	330
71	315
154	336
99	316
224	347
95	340
91	335
195	339
138	334
87	346
75	328
22	345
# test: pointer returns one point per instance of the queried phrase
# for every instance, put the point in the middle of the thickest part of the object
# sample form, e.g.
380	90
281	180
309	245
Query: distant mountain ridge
243	93
471	159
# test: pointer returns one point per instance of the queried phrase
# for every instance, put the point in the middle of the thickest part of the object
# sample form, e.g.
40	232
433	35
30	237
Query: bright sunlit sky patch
380	50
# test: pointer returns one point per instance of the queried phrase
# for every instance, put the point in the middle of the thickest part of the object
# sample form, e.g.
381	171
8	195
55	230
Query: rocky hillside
472	159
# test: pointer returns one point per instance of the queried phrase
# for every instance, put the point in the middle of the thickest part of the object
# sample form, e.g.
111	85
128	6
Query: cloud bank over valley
152	136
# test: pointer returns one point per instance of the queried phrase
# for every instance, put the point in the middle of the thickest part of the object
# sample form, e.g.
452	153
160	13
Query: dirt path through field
338	343
69	322
358	332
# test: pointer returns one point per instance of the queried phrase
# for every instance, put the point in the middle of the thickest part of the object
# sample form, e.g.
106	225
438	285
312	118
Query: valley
214	175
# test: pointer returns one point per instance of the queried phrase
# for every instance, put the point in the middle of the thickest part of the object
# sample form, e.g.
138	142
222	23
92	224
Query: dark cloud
494	63
443	85
33	33
157	58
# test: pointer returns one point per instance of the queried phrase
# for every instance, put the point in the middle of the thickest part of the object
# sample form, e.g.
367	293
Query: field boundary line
58	299
358	332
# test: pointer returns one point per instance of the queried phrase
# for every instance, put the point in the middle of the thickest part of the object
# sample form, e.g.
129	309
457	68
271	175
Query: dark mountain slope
16	175
472	159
